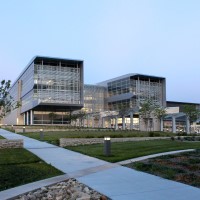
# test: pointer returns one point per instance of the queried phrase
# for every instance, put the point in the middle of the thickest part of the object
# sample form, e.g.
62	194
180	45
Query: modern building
48	88
177	121
125	92
132	89
94	98
51	89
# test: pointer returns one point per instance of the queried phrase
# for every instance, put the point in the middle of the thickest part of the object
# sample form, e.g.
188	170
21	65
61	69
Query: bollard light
24	129
107	145
41	134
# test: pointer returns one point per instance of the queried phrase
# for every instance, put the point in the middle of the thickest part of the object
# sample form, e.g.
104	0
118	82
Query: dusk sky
113	37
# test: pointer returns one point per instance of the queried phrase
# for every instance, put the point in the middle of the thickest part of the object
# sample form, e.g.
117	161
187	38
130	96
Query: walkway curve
116	182
124	162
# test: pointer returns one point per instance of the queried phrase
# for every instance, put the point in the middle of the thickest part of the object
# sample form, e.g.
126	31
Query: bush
151	134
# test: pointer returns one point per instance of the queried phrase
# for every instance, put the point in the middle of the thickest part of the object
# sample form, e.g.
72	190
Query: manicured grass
19	166
127	150
182	167
1	137
53	137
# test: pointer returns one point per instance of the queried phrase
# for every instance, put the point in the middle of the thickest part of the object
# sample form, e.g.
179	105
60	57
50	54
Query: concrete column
24	118
31	117
87	120
123	123
92	122
103	122
131	120
27	118
109	123
99	123
161	124
173	124
116	123
187	125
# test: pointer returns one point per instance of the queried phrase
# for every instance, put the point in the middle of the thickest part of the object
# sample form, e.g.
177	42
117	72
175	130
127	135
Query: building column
103	122
116	123
99	123
161	124
173	124
24	118
87	121
92	122
131	121
123	123
109	123
187	125
31	117
27	118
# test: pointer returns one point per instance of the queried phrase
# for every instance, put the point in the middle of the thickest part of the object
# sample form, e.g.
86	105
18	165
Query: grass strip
127	150
53	137
19	166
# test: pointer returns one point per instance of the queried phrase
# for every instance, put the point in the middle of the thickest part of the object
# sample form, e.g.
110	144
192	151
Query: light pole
107	145
41	134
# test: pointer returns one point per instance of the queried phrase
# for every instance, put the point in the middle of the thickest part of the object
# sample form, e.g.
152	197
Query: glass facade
49	85
119	87
129	92
52	85
44	117
94	98
57	84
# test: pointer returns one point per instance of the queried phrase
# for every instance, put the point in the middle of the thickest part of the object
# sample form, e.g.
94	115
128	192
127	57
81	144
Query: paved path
114	181
124	162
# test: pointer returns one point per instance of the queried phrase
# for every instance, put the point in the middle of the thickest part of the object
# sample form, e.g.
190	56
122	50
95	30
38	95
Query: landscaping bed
184	167
127	150
53	137
19	166
69	189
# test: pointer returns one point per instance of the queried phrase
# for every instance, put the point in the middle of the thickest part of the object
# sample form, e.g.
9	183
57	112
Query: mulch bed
184	167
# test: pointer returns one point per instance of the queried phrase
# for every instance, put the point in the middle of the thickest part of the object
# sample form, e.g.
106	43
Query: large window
57	84
117	87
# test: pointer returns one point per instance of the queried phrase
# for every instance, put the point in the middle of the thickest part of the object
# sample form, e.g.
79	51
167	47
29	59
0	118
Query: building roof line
41	57
126	76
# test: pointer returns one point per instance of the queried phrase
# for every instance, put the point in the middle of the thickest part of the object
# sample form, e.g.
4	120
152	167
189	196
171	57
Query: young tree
122	113
52	116
146	112
81	116
192	113
6	100
160	113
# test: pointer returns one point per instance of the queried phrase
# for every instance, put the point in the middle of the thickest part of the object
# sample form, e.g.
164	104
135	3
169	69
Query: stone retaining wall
31	130
5	144
83	141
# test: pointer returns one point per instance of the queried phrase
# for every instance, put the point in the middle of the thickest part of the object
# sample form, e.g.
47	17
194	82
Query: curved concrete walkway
124	162
114	181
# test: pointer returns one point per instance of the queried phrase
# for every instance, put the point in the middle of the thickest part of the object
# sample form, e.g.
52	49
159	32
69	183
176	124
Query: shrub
151	134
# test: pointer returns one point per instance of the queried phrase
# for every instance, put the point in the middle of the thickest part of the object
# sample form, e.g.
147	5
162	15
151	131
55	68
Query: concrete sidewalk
124	162
114	181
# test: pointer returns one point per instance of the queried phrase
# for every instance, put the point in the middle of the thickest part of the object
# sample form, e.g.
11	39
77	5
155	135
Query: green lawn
127	150
1	137
53	137
19	166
